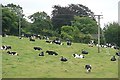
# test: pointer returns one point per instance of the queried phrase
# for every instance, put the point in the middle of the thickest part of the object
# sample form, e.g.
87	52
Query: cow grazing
37	48
41	54
12	53
113	58
63	59
88	67
118	53
78	56
51	52
84	52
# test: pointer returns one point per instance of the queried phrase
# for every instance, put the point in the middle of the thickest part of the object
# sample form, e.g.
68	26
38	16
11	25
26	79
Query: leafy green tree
13	15
112	33
41	22
86	25
67	32
25	26
16	9
64	15
9	21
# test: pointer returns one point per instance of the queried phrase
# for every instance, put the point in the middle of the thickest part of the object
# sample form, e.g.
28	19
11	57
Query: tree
112	33
16	9
67	32
12	19
25	26
9	21
86	25
41	22
73	33
64	15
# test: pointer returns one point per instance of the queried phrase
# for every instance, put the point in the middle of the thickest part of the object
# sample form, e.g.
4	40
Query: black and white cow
116	47
51	52
37	48
12	53
37	36
118	53
31	39
91	43
84	52
88	67
45	37
57	41
48	41
78	56
5	47
69	43
41	54
27	35
63	59
113	58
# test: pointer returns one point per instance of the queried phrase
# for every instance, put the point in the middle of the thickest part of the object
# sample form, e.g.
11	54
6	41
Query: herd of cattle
58	41
49	52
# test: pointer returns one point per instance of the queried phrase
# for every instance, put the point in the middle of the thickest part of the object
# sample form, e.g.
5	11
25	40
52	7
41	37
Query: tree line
75	22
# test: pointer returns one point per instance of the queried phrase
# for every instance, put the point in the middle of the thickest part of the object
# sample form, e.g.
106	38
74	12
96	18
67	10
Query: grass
29	65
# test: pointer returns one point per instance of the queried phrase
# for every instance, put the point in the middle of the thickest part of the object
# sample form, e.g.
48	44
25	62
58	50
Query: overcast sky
108	8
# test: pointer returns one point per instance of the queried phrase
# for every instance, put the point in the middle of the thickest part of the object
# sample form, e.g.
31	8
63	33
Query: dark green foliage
11	15
73	33
86	25
9	21
64	15
41	23
112	33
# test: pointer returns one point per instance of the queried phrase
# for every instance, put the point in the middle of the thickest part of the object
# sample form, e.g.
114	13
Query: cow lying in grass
78	56
63	59
12	53
113	58
57	42
5	47
48	41
118	53
37	48
84	52
31	39
41	54
51	52
88	67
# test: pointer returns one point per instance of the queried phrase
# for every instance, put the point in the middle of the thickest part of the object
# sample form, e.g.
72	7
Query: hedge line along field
29	65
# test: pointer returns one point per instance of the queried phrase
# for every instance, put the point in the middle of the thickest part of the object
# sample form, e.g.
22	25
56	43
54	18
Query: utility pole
19	11
19	26
99	17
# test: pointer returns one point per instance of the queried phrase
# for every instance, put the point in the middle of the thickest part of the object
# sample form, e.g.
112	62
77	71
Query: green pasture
29	65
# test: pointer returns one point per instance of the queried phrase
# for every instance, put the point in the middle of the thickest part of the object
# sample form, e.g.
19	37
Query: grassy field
29	65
